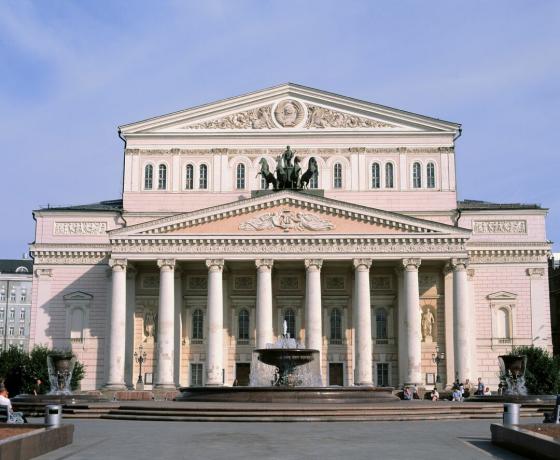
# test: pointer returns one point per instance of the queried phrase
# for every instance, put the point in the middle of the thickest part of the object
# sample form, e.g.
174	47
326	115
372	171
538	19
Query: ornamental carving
198	283
287	221
289	283
258	118
288	113
335	282
381	282
500	226
80	228
321	117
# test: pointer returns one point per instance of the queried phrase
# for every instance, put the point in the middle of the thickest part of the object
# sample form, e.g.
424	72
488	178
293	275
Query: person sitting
415	394
456	395
407	394
468	388
13	417
487	392
435	394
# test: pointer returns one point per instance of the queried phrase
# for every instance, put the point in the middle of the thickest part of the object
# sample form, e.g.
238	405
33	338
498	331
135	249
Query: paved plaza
138	440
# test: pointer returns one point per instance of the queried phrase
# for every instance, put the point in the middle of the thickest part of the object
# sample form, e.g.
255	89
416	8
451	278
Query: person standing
480	387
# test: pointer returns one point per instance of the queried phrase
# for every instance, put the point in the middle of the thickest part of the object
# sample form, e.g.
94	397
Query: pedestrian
435	394
456	395
13	417
407	394
500	389
480	387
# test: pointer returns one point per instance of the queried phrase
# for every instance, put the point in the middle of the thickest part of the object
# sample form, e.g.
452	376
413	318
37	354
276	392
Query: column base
115	387
165	386
214	385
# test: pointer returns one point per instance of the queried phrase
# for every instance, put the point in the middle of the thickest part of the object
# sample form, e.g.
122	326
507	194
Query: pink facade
386	193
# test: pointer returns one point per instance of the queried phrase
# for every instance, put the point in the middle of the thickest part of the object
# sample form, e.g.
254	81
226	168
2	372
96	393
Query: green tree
542	375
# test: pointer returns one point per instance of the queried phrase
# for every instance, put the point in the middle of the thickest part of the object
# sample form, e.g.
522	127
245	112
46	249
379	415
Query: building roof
22	266
477	205
108	205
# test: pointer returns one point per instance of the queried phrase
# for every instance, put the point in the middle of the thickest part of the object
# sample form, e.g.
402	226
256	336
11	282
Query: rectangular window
22	314
1	330
23	296
22	331
2	313
13	295
3	295
382	374
12	313
196	374
11	330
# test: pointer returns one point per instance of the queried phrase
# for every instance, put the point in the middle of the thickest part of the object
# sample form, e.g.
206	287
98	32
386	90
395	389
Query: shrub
542	375
21	370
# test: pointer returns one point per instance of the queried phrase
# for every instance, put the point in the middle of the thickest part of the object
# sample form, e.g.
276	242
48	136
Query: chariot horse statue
311	173
266	174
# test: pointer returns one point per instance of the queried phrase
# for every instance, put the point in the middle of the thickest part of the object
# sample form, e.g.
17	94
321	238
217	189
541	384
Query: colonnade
409	340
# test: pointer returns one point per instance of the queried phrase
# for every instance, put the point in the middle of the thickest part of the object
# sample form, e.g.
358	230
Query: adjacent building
376	264
16	277
554	283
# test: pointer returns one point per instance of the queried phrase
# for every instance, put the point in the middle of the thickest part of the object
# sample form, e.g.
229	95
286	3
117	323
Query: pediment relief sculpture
287	220
321	117
258	118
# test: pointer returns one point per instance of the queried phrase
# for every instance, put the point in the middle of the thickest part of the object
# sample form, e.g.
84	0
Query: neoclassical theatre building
376	264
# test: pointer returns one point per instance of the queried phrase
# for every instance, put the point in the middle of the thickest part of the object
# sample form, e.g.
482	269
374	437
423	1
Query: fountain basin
279	394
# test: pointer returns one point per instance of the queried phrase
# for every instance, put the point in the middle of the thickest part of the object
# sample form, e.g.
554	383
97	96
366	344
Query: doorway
336	374
242	371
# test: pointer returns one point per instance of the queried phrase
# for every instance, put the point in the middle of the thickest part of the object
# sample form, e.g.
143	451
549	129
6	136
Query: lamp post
140	358
438	357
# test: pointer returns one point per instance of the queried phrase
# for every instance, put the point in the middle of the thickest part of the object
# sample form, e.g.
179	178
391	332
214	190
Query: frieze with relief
80	228
321	117
500	226
287	220
258	118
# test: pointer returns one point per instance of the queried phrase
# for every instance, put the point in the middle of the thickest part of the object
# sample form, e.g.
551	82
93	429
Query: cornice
502	256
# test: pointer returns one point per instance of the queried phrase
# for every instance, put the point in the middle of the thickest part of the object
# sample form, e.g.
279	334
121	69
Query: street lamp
140	358
437	358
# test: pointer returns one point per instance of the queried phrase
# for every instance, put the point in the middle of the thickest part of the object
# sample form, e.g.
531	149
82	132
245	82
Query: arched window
243	333
189	177
416	175
290	318
162	178
389	177
431	175
375	176
197	325
336	326
203	177
148	177
240	177
313	182
381	324
337	183
503	324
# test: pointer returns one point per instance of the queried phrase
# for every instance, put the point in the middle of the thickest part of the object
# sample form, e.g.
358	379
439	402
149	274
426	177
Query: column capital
215	265
535	273
265	264
411	265
459	264
313	264
131	272
361	265
166	264
118	265
447	268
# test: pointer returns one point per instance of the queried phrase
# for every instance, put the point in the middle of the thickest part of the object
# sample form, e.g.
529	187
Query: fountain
285	372
60	368
512	370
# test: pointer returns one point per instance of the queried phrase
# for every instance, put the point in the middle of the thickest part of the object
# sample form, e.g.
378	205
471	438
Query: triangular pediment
288	213
288	108
502	295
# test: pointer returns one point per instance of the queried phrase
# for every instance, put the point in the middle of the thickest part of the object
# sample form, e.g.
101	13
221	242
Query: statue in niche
150	326
428	322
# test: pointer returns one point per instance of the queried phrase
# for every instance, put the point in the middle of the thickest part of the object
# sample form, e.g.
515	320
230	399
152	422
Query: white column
461	319
166	325
40	317
313	326
117	337
129	378
264	302
412	321
449	355
214	355
177	342
540	315
401	315
362	323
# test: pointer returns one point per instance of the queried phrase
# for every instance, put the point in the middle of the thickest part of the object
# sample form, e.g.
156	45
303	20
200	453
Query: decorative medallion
321	117
289	113
286	220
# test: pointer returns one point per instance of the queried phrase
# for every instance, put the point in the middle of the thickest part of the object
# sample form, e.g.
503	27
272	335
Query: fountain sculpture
60	373
512	370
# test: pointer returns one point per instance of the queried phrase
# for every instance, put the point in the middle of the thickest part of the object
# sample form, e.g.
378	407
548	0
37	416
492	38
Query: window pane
290	319
382	374
375	177
203	183
336	325
148	177
337	175
243	325
416	175
189	177
198	325
381	324
196	374
240	176
162	180
389	181
431	175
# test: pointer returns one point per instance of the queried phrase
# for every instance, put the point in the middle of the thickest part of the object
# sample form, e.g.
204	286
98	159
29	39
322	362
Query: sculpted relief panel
500	226
289	113
80	228
287	220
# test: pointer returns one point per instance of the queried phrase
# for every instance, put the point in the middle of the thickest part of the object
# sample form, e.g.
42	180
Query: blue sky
72	71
